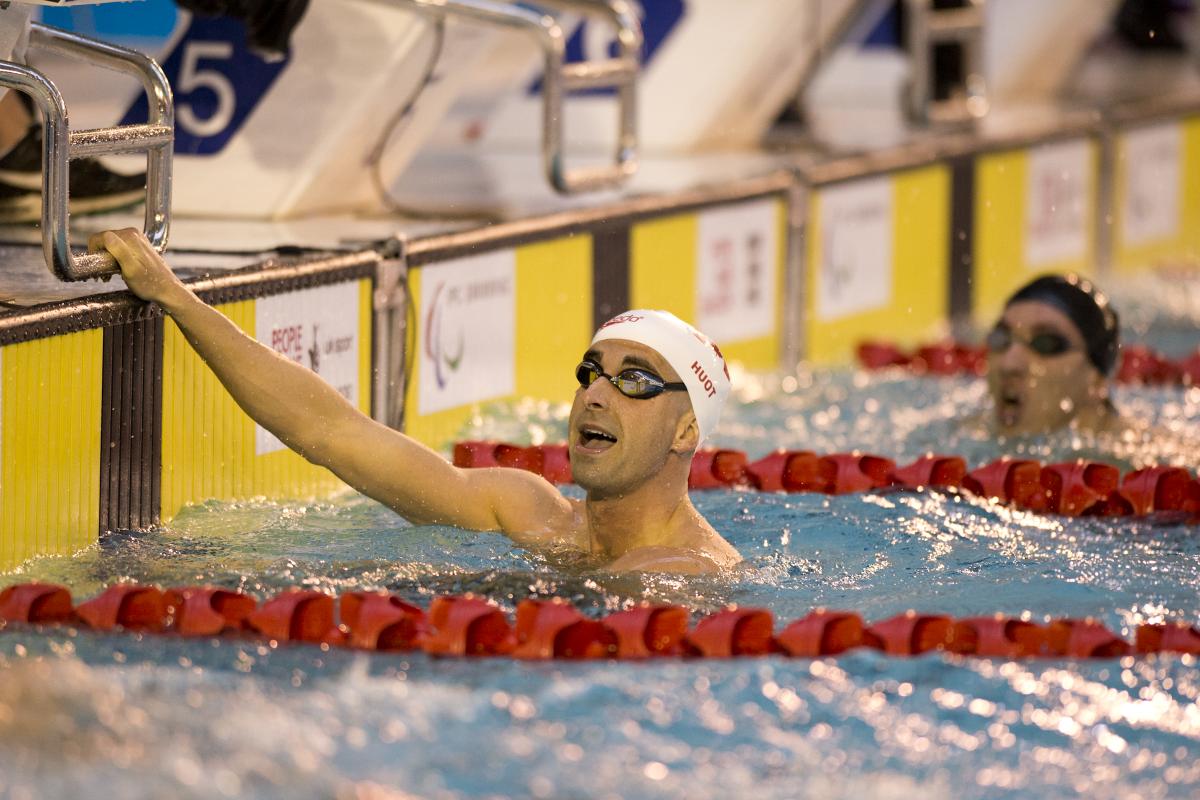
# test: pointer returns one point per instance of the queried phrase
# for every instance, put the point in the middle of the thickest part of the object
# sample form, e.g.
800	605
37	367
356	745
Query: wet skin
1036	393
632	456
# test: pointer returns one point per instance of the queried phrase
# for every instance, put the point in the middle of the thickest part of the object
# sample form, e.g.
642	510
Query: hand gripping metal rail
619	73
60	143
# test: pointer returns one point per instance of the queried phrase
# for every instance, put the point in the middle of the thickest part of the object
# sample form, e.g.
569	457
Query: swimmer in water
1050	357
650	389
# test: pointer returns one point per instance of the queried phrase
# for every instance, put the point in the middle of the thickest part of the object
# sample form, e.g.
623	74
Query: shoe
93	187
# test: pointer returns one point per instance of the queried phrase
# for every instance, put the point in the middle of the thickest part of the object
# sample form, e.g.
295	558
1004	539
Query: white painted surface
315	327
855	263
467	318
736	271
1152	162
1058	199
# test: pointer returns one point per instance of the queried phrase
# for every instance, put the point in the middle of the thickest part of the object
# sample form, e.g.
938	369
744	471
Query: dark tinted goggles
1046	343
636	383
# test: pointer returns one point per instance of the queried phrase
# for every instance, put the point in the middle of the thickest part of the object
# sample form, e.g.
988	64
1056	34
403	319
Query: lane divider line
473	626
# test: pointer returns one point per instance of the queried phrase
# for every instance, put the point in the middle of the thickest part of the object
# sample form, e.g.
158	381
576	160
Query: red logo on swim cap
721	356
622	318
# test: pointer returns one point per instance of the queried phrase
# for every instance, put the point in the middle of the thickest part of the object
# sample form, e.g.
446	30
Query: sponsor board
736	271
1058	193
318	328
467	339
1152	158
854	272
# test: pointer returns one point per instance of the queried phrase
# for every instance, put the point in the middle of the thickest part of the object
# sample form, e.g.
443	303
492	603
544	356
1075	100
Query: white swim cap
690	353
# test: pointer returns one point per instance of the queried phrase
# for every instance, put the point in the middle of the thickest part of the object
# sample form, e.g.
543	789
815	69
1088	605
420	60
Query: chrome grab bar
60	144
928	27
619	73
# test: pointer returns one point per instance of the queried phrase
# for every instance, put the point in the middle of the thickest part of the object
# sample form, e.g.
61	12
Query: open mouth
1008	408
592	438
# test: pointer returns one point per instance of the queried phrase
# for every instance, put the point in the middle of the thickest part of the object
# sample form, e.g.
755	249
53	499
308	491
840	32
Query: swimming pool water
126	716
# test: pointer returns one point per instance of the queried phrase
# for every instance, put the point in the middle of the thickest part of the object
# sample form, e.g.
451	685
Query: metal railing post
619	73
927	28
60	145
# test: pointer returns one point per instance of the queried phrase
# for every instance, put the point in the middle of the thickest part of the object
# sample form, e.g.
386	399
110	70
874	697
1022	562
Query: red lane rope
1138	364
467	625
1069	488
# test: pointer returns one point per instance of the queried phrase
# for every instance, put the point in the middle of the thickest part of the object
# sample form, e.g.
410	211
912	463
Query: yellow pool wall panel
50	443
551	328
1001	265
664	265
208	442
1180	244
917	239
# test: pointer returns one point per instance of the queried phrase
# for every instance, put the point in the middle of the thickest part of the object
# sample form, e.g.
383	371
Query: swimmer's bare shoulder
697	549
528	509
675	560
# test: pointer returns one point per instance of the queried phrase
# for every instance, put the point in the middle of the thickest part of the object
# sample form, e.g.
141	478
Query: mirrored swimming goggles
636	383
1046	343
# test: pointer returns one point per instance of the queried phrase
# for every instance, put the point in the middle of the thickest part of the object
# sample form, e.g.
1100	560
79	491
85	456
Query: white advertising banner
1057	201
736	271
467	333
315	327
854	269
1150	206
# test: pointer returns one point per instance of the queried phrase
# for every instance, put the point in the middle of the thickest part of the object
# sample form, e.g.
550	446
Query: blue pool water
124	716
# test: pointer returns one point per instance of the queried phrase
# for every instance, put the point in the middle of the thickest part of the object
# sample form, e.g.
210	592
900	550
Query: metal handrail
619	73
60	144
926	27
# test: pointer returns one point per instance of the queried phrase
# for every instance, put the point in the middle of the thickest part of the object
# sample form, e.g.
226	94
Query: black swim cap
1087	307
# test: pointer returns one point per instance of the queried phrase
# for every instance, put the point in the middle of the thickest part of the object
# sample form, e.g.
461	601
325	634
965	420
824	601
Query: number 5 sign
217	82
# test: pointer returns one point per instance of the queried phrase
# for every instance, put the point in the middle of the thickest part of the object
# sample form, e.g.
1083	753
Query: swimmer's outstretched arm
312	418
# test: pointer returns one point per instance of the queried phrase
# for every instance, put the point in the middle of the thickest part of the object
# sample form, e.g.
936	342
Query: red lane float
556	629
909	634
879	355
803	471
380	621
997	637
1072	488
734	632
551	461
1177	637
1156	489
1140	364
1137	364
467	625
822	633
849	473
1075	488
35	603
949	358
125	605
946	472
1083	638
208	611
295	615
645	631
717	469
785	471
